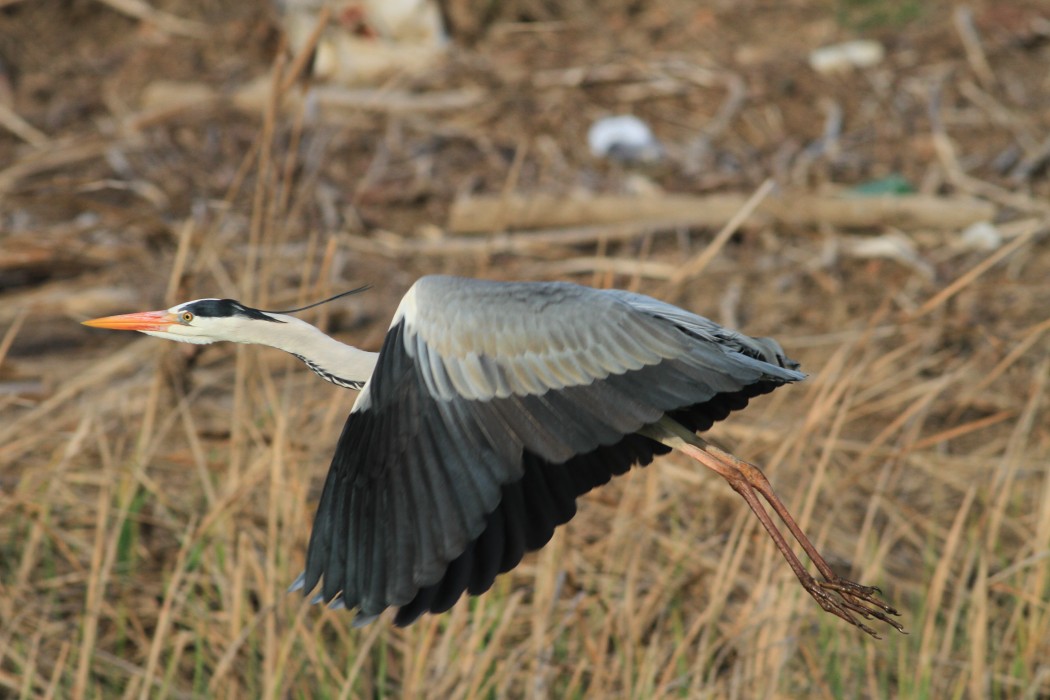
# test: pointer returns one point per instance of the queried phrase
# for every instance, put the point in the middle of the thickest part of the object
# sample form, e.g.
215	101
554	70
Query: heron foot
848	599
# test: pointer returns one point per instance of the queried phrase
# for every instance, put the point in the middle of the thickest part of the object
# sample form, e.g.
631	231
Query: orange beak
141	321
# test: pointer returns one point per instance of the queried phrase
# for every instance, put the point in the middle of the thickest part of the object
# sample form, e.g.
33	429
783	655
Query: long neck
333	361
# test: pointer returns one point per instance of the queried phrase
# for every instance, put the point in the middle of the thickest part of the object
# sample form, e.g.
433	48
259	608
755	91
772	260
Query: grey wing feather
475	382
764	349
481	340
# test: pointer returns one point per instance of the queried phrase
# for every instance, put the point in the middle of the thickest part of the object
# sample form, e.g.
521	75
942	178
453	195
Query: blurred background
865	180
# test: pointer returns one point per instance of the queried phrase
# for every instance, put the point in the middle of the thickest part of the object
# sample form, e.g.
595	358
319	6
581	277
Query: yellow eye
186	317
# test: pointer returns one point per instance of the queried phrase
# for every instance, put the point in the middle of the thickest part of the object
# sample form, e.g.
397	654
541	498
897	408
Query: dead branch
540	211
332	104
389	244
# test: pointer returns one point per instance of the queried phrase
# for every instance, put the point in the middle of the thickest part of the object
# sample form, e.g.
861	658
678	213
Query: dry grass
155	500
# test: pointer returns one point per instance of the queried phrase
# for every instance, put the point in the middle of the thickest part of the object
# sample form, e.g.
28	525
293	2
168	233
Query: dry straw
155	501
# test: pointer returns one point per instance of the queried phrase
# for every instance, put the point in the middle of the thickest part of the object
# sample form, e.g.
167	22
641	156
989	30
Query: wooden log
486	214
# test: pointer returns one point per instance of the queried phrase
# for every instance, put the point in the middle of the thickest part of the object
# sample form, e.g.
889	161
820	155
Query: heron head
200	321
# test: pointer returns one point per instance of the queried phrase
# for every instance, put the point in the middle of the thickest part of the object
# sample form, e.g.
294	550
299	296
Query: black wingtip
360	620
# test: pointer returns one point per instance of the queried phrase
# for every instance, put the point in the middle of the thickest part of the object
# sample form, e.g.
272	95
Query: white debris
981	236
367	41
638	185
624	137
894	245
837	58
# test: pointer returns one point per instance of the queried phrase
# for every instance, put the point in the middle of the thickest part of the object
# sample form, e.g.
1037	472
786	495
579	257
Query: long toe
847	600
862	600
850	589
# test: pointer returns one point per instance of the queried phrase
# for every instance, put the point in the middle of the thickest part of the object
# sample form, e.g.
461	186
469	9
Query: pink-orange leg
835	594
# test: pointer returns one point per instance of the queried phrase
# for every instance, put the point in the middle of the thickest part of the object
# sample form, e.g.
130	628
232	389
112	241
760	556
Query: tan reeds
156	500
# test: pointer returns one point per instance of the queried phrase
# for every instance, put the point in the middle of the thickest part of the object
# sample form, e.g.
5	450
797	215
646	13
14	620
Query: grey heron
489	409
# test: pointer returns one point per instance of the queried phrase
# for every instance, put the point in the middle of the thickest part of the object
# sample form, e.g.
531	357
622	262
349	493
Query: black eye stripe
225	308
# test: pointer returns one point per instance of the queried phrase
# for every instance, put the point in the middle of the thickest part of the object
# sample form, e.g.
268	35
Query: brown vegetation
155	499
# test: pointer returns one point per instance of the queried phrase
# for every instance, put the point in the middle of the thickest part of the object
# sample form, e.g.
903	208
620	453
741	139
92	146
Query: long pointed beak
141	321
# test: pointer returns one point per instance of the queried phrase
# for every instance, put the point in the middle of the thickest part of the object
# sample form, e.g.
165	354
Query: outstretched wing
492	406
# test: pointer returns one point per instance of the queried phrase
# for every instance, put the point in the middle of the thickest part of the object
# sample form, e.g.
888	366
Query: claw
853	599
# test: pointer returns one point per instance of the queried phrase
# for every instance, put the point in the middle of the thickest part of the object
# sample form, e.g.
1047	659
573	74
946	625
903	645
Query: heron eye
186	317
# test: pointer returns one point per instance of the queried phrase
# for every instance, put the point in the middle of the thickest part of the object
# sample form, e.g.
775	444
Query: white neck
336	362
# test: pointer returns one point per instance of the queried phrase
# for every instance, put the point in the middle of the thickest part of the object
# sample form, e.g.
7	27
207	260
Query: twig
695	265
136	671
959	431
306	53
139	9
131	356
976	271
178	267
736	90
1020	124
963	20
10	120
165	622
11	333
945	149
1032	163
1034	334
697	149
942	144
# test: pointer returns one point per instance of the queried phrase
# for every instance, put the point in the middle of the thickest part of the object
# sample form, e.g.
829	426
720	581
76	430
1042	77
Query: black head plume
324	301
226	308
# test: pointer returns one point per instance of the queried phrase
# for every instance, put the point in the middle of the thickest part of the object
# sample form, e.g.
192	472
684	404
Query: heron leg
749	481
754	476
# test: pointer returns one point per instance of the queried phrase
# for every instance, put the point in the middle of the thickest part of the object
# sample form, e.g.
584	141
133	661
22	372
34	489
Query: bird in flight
489	409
